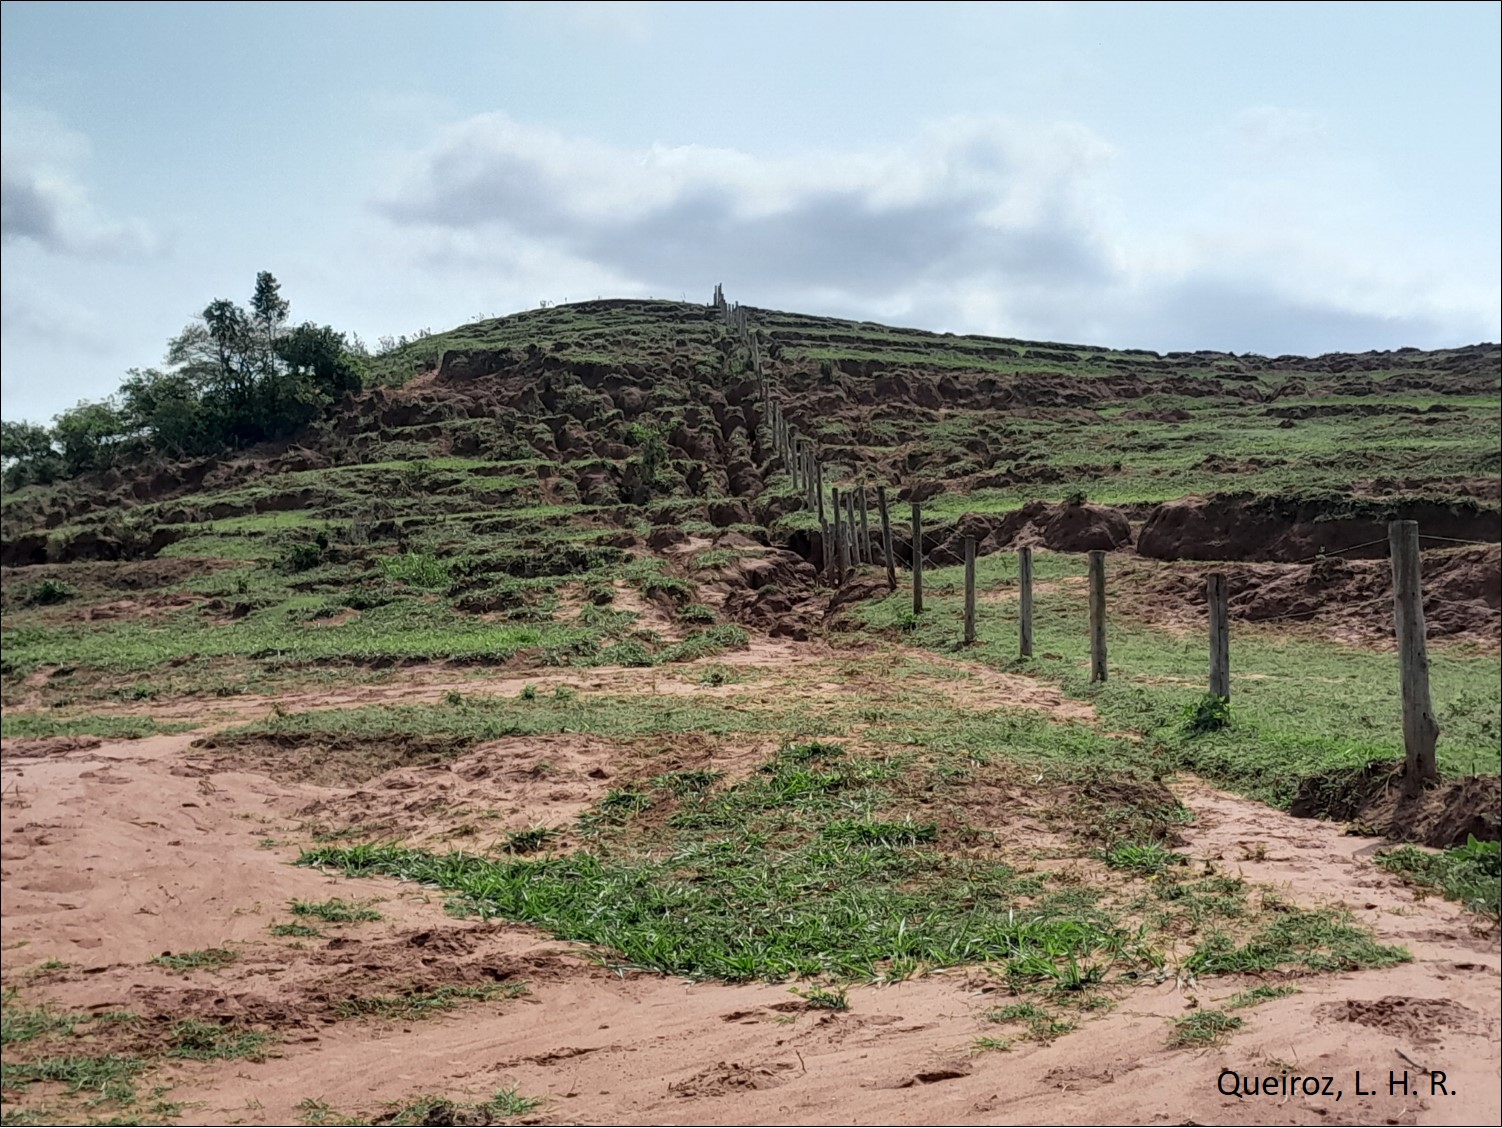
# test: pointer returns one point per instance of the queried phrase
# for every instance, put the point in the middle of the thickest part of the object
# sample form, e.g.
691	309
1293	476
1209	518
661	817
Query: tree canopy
234	376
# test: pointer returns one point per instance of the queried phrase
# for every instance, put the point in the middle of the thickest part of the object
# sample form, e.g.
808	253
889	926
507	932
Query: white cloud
985	225
43	201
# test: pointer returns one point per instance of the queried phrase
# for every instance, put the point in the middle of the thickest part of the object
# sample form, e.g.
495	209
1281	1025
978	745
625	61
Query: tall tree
269	312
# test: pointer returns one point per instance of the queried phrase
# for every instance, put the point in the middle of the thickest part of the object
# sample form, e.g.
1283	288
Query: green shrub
1211	713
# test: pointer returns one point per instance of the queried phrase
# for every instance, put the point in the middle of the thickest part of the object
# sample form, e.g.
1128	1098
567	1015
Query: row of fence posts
846	541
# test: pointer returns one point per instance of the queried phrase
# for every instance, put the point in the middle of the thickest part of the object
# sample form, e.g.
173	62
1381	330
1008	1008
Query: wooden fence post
865	541
1420	729
1097	616
1220	636
838	574
886	538
969	590
819	489
853	544
917	559
1025	601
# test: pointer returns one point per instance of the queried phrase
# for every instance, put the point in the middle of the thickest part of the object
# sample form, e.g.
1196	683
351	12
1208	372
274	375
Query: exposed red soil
112	856
1349	600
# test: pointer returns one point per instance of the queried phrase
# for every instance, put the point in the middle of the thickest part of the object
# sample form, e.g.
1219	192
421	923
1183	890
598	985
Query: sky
1270	178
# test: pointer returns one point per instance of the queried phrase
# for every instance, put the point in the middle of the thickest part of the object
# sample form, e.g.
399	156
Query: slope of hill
543	621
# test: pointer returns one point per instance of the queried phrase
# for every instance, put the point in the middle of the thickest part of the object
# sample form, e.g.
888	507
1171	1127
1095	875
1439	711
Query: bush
417	569
1211	713
50	591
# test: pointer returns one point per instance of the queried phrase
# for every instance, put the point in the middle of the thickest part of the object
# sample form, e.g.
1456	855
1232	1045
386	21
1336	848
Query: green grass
824	998
1317	939
110	1077
20	1023
426	1108
1203	1029
336	910
30	725
815	910
423	1004
1256	996
1299	706
294	928
196	1040
1041	1024
1470	874
203	959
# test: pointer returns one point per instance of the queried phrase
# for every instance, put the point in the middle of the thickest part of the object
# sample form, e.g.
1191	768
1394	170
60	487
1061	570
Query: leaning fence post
1025	601
1097	616
886	538
917	559
1420	729
865	527
1220	636
819	489
969	589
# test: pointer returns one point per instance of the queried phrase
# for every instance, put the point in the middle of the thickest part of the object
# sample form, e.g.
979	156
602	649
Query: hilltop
518	683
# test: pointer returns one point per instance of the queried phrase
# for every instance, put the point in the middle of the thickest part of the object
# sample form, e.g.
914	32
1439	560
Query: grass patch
110	1077
336	910
1317	939
294	928
423	1004
504	1104
1041	1024
20	1023
824	998
16	724
1259	995
196	1040
1203	1028
1470	874
204	959
1143	857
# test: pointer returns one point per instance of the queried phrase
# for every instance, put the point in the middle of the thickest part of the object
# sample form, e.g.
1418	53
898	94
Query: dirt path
115	853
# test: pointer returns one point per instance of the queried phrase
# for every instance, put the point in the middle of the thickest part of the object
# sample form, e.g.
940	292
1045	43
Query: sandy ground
114	852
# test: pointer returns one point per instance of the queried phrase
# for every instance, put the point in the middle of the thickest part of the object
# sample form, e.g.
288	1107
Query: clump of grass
25	1024
197	1040
1259	995
422	1004
717	675
203	959
688	781
336	910
1143	857
425	1109
869	832
984	1044
313	1111
1470	874
417	569
823	998
1319	939
50	591
1210	713
802	752
110	1077
1041	1025
1203	1028
530	840
294	928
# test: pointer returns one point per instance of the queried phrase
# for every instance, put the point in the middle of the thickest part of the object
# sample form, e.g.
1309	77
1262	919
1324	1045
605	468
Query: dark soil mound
1232	527
1084	528
1371	799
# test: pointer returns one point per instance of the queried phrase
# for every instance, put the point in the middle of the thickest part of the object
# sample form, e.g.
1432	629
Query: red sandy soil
114	852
